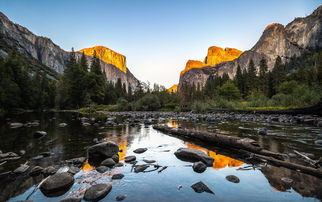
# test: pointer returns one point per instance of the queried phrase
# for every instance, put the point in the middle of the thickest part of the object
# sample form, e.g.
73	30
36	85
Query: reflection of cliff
306	185
220	161
173	124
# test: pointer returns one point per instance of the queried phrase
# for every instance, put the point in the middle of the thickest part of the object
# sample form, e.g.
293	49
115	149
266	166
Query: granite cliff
14	36
297	37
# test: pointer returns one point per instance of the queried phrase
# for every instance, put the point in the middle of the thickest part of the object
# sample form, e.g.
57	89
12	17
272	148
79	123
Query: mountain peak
218	55
193	64
107	55
273	25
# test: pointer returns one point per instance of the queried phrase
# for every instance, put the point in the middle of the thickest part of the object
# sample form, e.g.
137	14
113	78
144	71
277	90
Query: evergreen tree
278	73
83	62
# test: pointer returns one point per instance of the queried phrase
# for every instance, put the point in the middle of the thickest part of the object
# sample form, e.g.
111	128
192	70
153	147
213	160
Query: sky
156	36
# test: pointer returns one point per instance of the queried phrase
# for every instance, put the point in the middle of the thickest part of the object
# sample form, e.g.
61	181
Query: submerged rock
318	142
140	150
199	167
97	192
57	184
129	158
193	155
232	178
119	165
117	176
101	151
200	187
120	197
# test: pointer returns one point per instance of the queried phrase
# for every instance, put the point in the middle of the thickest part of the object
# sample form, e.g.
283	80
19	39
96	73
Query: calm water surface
172	184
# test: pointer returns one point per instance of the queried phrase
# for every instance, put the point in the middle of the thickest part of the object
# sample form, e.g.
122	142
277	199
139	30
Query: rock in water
108	162
101	151
200	187
129	158
117	176
120	197
193	155
23	168
62	125
199	167
140	150
97	192
16	125
102	169
116	158
140	168
262	131
232	178
38	134
57	184
35	171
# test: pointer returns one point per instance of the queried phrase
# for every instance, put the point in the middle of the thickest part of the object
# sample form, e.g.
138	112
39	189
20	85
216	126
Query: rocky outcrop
217	55
295	38
52	56
173	88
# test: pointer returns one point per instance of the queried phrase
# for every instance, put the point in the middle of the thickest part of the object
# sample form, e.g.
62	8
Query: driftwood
243	145
220	139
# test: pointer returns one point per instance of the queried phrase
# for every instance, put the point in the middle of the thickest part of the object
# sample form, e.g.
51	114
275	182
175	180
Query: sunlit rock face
107	55
217	55
293	39
173	89
192	64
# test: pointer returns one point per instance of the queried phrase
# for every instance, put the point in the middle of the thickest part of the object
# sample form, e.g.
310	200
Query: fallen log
242	145
220	139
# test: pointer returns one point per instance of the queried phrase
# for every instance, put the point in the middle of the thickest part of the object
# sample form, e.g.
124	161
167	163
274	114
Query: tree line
295	83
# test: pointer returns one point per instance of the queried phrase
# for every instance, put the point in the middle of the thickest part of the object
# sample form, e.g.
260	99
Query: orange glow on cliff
173	89
107	55
215	55
220	161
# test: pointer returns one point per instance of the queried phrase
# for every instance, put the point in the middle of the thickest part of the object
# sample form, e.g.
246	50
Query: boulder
140	150
36	171
200	187
97	192
21	169
193	155
73	170
78	162
62	125
232	178
102	169
101	151
108	162
140	168
128	159
115	157
117	176
199	167
50	170
149	161
57	184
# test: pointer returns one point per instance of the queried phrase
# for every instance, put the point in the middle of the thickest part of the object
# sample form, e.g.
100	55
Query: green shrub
229	91
148	102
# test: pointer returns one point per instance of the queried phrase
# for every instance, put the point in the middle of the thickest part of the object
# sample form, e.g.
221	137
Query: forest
24	85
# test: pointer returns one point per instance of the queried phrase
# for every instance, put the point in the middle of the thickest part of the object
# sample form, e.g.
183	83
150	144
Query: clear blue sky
157	37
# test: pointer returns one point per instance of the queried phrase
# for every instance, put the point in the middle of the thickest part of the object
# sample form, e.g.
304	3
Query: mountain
42	49
216	55
294	39
173	88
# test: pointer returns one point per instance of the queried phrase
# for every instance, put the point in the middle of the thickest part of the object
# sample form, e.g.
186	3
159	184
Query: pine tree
262	82
251	77
278	73
83	63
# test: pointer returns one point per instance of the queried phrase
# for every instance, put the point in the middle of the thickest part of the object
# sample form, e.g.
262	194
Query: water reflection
220	161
